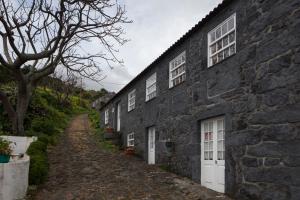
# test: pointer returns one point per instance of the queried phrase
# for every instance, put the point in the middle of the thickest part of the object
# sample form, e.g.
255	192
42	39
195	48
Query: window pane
226	52
231	37
213	48
232	49
212	36
224	29
225	41
220	56
205	146
205	155
231	23
211	145
214	59
219	45
210	155
218	33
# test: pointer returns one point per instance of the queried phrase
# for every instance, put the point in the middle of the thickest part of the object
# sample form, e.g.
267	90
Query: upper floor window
130	140
106	116
177	70
151	87
222	41
131	100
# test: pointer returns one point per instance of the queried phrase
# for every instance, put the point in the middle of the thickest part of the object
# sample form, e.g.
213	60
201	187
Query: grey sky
157	24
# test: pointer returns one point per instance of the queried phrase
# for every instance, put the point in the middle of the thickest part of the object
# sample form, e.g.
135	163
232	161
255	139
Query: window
151	87
130	140
221	145
222	41
131	100
177	70
106	116
208	140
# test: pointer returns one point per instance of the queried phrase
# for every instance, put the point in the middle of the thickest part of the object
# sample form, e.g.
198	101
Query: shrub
38	169
44	126
37	147
44	139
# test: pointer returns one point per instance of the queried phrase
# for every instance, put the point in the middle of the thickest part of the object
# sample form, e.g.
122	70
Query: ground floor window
130	140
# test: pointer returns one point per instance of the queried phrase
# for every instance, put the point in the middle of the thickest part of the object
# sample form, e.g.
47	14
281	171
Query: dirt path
79	169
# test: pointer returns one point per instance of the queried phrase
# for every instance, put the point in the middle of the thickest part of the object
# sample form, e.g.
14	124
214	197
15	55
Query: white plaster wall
14	175
14	179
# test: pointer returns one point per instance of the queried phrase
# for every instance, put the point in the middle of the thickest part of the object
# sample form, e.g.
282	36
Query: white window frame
106	116
131	100
130	140
151	87
181	75
230	47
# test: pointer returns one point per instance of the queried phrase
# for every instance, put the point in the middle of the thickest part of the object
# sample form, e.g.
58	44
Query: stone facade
257	90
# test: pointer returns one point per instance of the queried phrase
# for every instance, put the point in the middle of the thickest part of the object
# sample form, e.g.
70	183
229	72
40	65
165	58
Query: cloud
156	26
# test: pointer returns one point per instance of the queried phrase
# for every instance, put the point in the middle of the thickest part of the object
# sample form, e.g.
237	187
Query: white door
213	154
118	117
151	145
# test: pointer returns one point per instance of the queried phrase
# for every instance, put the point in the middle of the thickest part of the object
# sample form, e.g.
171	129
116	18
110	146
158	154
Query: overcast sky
157	24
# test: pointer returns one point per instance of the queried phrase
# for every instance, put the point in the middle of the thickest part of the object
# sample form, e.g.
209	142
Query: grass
98	133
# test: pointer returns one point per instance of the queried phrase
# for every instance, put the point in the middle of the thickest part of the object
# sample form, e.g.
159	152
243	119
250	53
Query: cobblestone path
80	170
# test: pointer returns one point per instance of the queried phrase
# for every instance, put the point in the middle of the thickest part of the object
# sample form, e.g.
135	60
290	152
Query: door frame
118	116
148	145
215	162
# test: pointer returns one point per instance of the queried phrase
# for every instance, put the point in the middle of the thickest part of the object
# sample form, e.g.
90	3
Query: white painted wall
14	175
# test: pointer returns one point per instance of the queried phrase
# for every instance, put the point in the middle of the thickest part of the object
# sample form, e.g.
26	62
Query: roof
209	16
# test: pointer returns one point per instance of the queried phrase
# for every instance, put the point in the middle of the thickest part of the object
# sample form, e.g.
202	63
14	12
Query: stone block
278	192
283	115
282	132
292	161
274	175
271	162
250	162
279	63
245	137
248	192
272	149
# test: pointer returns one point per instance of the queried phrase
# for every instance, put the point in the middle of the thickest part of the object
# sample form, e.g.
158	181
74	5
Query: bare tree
46	34
63	86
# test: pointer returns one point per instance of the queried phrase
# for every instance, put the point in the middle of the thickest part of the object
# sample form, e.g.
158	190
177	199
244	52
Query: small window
106	116
151	87
208	140
131	100
130	140
177	70
222	41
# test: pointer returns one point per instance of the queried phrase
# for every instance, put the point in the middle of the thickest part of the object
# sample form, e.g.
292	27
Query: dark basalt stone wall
257	90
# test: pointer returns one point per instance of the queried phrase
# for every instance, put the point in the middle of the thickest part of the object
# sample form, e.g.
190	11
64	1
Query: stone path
80	170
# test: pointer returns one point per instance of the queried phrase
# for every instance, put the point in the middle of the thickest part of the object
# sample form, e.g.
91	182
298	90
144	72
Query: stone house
101	101
222	104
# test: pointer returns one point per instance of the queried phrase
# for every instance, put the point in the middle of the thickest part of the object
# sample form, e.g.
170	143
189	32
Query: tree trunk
23	98
10	111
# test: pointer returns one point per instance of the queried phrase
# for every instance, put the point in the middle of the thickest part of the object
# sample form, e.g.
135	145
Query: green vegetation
98	133
47	119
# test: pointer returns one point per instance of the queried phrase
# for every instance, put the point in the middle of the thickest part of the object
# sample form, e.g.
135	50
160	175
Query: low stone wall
14	175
